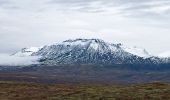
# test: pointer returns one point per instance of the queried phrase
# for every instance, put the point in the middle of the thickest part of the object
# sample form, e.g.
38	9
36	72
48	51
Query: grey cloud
126	7
37	22
2	2
8	4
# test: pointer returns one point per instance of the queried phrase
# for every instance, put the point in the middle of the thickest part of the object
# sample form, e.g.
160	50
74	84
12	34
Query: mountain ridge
92	51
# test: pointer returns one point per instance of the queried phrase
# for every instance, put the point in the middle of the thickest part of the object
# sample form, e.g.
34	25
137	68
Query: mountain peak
96	44
83	40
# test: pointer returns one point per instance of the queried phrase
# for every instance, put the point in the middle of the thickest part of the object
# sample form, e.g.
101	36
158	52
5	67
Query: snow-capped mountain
89	51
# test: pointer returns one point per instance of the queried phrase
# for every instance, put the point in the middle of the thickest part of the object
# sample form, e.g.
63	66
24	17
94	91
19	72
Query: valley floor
35	91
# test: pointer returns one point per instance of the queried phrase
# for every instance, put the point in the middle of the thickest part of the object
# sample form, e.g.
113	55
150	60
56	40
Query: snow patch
27	51
94	45
137	51
113	48
75	43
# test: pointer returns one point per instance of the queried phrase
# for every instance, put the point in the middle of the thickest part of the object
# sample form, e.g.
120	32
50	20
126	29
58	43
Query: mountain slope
88	51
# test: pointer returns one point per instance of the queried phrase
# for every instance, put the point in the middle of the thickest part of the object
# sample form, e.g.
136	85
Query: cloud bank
8	60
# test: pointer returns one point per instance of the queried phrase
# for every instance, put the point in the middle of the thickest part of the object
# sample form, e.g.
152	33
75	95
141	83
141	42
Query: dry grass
33	91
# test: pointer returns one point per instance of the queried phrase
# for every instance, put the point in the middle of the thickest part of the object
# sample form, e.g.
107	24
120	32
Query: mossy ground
34	91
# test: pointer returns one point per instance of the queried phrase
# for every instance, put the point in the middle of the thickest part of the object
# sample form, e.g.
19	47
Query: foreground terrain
35	91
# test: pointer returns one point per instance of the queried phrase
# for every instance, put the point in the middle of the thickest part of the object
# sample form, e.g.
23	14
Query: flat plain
36	91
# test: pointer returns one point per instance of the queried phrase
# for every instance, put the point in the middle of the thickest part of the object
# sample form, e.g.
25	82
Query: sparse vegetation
35	91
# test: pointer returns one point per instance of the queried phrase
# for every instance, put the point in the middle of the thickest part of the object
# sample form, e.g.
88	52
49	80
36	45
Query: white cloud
164	54
8	60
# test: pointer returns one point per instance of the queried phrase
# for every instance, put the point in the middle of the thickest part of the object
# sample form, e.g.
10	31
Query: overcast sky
142	23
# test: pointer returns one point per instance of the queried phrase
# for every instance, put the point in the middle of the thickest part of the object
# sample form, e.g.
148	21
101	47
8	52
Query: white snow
23	54
94	45
75	43
27	51
164	55
81	42
33	49
113	48
137	51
